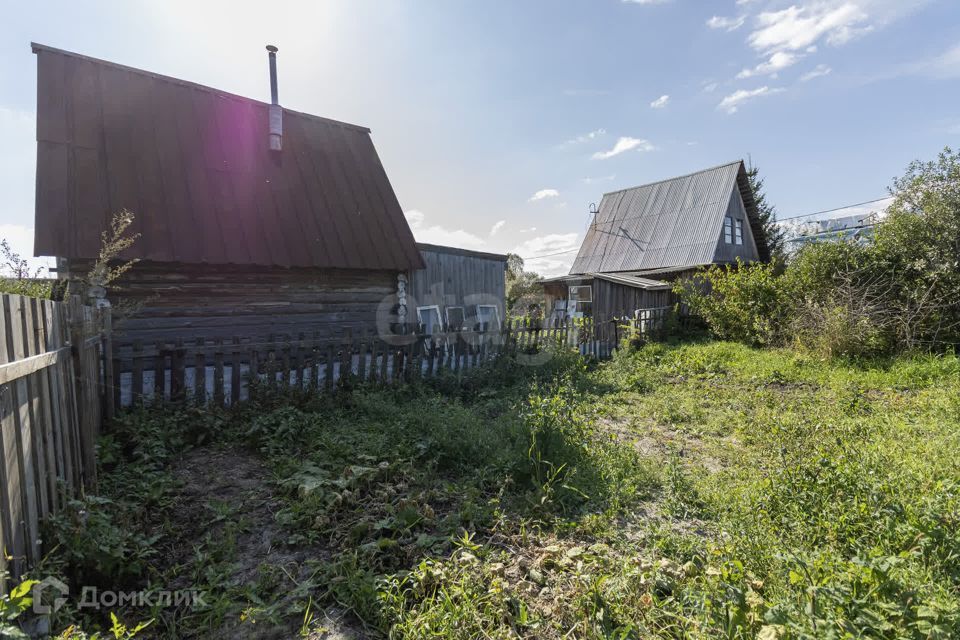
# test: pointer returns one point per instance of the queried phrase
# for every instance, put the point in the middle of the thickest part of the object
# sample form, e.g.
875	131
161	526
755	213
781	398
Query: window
728	230
738	231
429	319
455	318
581	300
488	317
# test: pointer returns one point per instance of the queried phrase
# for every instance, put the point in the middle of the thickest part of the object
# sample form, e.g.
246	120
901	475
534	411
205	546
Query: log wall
216	302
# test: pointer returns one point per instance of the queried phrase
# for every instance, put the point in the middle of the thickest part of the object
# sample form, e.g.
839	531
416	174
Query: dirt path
226	525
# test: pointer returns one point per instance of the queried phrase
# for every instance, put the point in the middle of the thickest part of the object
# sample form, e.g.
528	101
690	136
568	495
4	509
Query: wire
550	255
848	206
830	232
805	215
620	220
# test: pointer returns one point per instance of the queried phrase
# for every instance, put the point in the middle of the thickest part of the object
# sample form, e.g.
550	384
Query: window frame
728	229
738	232
420	321
496	314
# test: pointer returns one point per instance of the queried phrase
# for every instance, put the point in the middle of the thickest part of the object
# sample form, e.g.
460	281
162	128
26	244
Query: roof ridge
686	175
37	47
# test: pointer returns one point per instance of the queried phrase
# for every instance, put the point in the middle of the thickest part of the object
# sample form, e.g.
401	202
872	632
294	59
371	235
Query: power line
848	206
550	255
595	223
805	215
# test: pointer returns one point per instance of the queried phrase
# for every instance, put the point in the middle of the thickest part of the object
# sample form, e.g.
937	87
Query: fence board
54	370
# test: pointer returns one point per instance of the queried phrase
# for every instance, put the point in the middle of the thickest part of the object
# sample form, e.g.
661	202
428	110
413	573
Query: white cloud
729	24
559	250
646	1
497	226
437	234
798	27
623	145
414	218
818	71
586	137
944	65
710	87
660	102
732	102
778	61
543	194
787	31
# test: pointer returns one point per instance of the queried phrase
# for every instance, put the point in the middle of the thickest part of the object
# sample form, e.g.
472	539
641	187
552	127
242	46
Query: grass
687	491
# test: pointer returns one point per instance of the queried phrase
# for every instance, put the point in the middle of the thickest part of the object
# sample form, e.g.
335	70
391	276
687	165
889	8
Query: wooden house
458	289
254	219
644	237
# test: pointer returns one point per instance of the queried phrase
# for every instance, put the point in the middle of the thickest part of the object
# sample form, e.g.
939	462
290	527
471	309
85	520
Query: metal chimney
275	110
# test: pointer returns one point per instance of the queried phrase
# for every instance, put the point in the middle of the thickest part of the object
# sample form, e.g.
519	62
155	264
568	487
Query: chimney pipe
275	110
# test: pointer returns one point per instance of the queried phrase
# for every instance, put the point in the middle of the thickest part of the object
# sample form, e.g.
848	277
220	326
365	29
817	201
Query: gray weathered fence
219	372
52	384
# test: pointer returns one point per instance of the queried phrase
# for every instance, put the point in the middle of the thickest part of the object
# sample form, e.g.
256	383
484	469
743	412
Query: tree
523	289
900	292
767	215
19	277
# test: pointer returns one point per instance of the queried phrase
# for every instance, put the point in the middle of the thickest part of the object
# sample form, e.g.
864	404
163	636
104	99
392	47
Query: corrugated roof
193	164
457	251
670	223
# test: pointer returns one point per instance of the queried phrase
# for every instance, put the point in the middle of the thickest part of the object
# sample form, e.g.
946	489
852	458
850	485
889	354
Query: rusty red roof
193	164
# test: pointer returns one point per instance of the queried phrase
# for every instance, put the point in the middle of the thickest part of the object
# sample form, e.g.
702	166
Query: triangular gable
668	224
194	165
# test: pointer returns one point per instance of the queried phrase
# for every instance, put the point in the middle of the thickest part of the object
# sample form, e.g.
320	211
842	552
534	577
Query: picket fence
52	404
219	372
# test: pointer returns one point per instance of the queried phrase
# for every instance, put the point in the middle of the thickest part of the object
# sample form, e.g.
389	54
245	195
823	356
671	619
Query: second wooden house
644	238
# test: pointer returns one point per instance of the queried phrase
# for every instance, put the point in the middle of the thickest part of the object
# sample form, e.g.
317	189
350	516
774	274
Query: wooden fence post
109	382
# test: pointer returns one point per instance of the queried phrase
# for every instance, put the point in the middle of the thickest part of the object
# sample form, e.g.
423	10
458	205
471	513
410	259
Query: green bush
746	303
899	293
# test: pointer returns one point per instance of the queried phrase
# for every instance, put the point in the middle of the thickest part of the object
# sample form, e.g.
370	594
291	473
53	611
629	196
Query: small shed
246	227
458	289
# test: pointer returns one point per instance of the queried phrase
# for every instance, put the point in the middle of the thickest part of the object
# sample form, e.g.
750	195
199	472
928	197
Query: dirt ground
222	486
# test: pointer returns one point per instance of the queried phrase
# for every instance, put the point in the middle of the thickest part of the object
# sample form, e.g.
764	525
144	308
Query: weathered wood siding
458	278
612	300
222	301
730	252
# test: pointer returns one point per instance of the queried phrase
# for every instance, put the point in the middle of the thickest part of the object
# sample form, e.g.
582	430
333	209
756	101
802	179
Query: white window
488	315
455	318
429	319
728	230
738	231
581	299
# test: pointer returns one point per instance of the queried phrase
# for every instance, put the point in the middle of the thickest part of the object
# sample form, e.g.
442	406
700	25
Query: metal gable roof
194	165
670	223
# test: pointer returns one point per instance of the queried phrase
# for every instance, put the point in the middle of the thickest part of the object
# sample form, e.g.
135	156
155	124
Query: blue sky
500	122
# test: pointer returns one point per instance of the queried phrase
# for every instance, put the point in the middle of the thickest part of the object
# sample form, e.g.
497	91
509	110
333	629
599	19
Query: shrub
900	293
746	303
